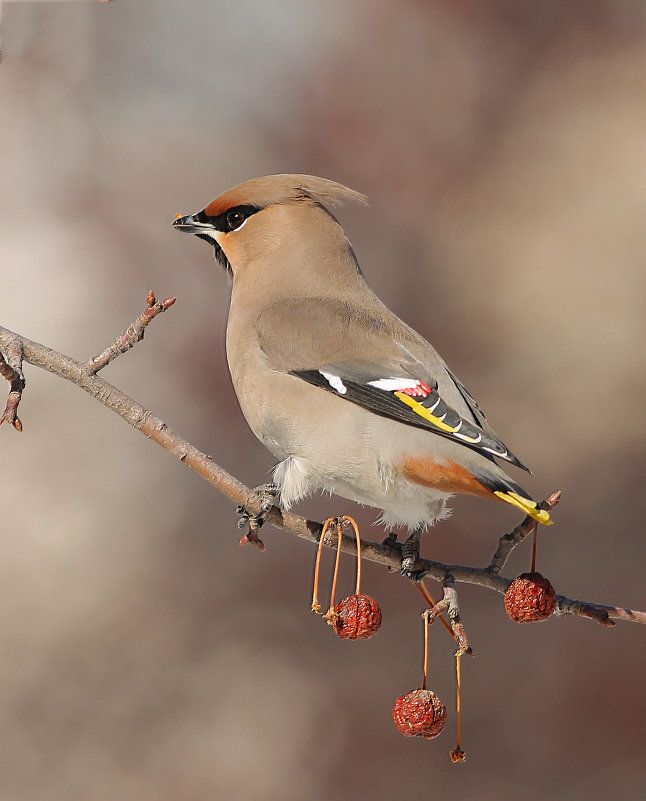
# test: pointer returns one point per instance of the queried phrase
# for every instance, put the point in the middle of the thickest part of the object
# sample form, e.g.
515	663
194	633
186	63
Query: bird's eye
235	218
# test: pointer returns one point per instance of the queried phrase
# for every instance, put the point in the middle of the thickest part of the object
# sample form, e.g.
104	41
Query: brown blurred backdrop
502	144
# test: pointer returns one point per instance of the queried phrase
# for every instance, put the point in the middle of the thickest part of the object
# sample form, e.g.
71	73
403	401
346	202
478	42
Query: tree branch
84	376
449	604
11	369
508	542
133	334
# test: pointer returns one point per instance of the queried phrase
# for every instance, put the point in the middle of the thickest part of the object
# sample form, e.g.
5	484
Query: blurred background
502	145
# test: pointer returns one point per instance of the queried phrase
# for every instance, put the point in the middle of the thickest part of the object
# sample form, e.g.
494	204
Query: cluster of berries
420	713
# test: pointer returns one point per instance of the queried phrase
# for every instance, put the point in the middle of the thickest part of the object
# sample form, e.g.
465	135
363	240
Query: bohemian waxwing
347	396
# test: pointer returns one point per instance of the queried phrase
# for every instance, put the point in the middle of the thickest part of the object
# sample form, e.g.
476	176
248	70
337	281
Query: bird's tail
508	491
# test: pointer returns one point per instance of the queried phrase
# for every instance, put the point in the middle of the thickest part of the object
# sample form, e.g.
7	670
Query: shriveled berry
419	713
357	617
530	598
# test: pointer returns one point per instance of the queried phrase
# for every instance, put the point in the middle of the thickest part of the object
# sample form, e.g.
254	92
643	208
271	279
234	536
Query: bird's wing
357	358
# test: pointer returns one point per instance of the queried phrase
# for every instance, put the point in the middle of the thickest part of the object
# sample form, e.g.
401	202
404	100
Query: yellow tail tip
528	506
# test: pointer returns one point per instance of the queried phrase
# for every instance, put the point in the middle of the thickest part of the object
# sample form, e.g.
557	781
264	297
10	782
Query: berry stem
330	611
426	595
425	650
457	754
353	522
458	706
534	547
316	606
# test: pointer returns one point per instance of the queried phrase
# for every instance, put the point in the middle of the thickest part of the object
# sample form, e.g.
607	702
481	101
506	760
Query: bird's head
256	217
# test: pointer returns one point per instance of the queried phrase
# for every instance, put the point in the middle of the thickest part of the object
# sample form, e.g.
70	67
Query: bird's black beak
193	224
202	226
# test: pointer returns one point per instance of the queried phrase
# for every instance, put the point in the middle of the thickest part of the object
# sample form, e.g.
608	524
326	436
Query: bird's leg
410	552
391	542
267	493
409	549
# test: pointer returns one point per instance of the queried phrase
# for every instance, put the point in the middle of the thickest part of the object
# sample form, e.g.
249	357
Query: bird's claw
391	542
267	493
408	570
245	517
410	554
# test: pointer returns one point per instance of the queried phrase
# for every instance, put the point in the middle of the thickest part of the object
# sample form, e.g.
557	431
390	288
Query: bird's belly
327	443
363	470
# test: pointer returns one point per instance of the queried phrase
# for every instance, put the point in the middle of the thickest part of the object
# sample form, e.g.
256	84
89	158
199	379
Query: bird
348	397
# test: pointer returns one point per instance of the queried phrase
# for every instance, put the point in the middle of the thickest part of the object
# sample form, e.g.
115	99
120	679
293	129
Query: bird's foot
409	571
410	554
267	493
392	542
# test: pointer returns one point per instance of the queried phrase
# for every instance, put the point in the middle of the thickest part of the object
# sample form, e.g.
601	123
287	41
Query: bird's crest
285	188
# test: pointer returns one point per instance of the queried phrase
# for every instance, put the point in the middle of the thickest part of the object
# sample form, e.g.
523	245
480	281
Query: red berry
530	598
357	617
419	713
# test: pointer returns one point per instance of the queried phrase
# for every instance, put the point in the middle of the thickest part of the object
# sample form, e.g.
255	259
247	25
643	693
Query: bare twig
133	334
251	537
154	428
449	604
508	542
11	369
426	595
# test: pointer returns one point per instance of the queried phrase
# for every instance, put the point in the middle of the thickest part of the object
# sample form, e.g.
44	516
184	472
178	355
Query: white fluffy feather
294	481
